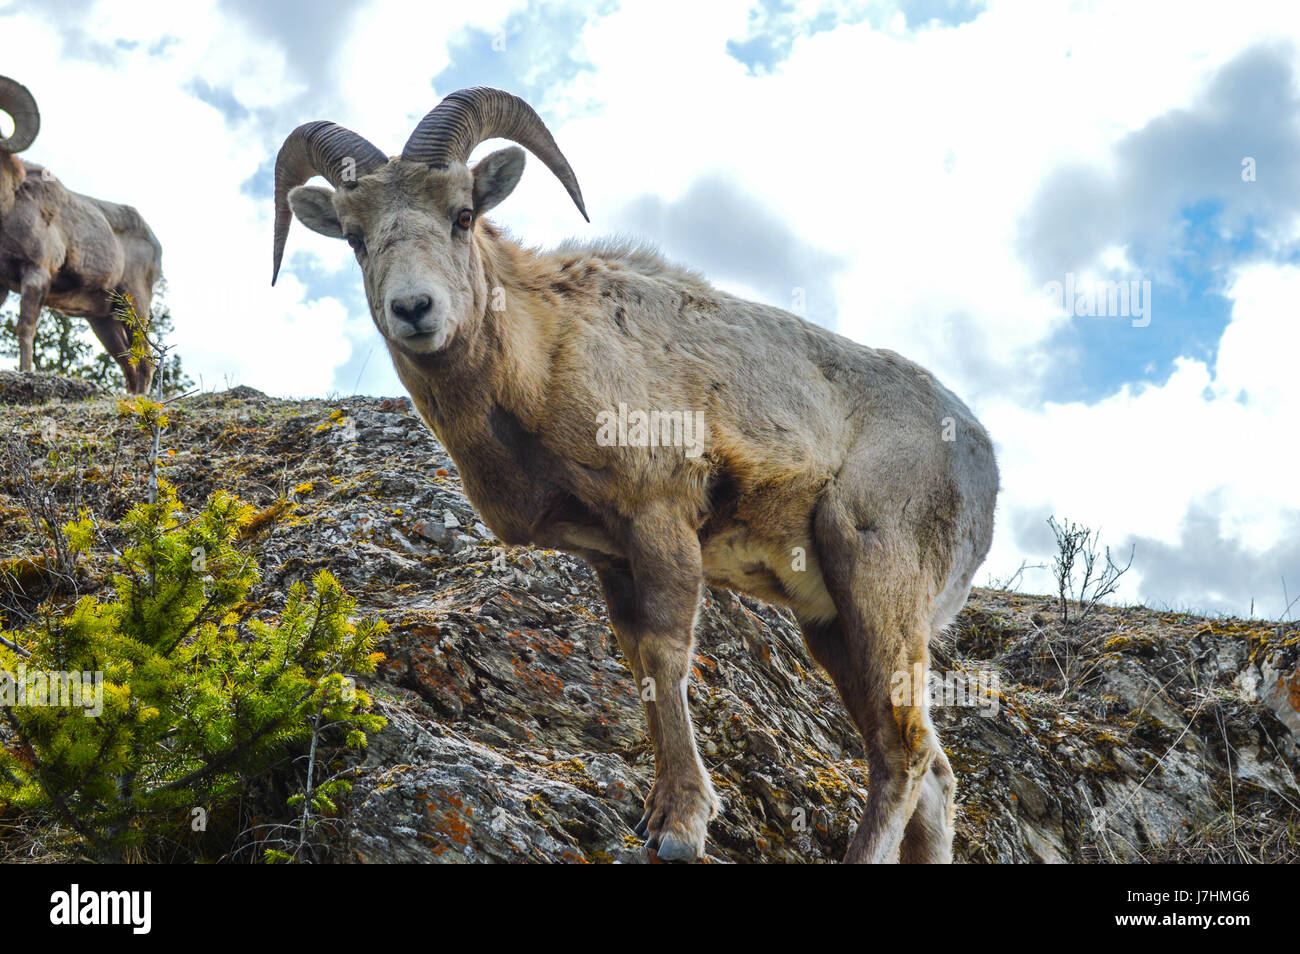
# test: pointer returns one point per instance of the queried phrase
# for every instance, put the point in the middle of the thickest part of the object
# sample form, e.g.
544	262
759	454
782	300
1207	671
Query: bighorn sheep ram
841	481
69	251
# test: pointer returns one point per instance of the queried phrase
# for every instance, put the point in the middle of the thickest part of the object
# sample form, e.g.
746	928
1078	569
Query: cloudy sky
919	174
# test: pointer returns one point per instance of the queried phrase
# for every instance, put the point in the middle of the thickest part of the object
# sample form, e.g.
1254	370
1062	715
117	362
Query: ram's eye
465	219
356	241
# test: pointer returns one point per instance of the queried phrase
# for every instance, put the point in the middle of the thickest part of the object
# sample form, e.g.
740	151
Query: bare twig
16	648
1077	550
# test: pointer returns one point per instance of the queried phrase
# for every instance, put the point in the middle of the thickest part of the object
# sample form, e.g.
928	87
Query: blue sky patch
533	53
1188	313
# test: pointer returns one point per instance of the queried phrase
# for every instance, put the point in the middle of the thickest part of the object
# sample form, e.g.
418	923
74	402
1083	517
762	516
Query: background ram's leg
32	293
142	297
116	338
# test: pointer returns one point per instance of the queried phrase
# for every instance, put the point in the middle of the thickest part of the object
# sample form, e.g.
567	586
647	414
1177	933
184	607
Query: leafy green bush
196	698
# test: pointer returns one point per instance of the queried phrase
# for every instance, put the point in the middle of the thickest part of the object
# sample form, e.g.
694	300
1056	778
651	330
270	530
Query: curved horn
451	130
318	149
21	105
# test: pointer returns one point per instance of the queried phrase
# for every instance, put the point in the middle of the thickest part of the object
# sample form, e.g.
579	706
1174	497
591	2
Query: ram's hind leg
116	339
142	299
928	839
876	652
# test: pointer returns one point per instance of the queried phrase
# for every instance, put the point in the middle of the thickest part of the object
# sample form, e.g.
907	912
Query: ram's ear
17	172
495	177
314	207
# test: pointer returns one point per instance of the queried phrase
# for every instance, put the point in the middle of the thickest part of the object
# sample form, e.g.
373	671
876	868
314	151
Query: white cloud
1134	463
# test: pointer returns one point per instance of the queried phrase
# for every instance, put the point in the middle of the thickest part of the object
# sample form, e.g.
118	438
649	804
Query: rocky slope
515	735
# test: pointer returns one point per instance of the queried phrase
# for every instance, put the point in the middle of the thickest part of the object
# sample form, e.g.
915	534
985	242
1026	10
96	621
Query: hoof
671	848
676	820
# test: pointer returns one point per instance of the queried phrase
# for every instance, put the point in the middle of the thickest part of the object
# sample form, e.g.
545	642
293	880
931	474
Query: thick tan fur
842	481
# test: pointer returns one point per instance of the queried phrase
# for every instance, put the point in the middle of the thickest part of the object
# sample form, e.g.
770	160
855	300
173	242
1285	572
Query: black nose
411	308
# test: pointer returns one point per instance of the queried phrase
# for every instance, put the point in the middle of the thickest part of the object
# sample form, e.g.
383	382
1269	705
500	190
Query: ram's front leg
32	290
653	599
